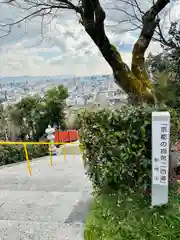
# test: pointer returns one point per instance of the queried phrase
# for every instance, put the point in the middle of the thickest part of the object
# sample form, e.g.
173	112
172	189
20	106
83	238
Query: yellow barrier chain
30	143
41	143
50	154
27	159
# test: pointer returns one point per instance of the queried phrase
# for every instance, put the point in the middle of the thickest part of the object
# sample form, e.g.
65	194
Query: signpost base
159	195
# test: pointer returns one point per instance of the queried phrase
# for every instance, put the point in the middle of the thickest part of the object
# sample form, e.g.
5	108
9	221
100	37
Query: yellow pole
64	152
27	159
50	154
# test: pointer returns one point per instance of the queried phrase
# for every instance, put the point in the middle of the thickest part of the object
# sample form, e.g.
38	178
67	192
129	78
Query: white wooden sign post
160	157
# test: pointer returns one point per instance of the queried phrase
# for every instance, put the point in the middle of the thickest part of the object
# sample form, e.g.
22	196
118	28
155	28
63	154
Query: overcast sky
66	48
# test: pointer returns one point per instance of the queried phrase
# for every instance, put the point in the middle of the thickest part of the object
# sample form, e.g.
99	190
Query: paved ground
51	204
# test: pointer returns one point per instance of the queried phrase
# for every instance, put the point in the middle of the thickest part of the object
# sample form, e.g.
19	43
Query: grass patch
129	217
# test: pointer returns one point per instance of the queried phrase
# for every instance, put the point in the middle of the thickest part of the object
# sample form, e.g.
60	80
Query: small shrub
15	153
36	151
10	154
39	151
117	146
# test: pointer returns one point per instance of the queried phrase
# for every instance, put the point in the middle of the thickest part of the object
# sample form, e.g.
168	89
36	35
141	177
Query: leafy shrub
36	151
117	146
10	154
15	153
39	151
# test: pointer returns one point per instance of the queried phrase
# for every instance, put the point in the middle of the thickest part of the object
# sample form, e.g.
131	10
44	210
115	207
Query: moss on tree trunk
134	82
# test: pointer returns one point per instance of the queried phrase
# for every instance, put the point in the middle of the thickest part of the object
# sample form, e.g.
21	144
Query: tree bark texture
134	81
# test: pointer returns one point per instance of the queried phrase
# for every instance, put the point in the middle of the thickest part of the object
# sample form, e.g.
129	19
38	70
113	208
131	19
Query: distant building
79	101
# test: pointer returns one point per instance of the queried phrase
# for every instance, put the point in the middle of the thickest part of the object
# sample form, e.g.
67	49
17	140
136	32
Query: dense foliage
15	153
32	115
117	146
165	69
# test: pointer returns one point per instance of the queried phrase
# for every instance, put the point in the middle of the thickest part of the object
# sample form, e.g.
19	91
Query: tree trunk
134	82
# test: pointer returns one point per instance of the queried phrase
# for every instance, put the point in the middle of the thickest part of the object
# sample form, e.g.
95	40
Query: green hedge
117	146
36	151
10	154
15	153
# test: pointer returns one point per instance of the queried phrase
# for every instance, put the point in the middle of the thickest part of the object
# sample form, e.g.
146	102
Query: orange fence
66	136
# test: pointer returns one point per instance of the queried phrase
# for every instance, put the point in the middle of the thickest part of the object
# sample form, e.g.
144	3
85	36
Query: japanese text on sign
160	152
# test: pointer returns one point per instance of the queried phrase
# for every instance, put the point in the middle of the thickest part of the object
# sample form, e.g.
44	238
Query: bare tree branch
135	12
37	9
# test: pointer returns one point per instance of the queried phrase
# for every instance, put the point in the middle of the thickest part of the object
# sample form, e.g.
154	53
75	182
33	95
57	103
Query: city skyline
81	90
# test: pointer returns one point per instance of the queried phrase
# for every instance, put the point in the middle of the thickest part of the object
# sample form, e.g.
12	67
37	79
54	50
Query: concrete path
50	204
